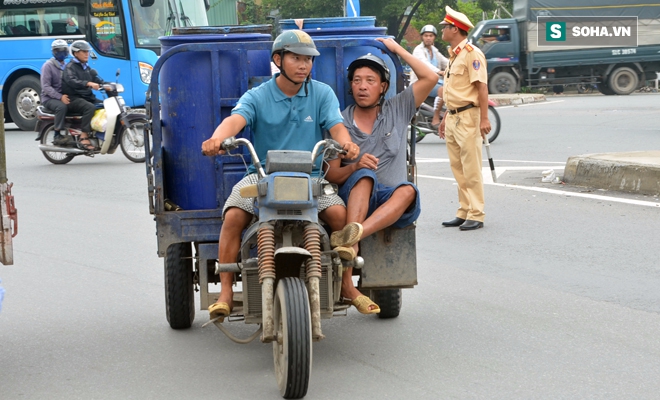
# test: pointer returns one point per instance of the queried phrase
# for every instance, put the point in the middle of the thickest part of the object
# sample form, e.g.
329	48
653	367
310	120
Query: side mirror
146	3
207	4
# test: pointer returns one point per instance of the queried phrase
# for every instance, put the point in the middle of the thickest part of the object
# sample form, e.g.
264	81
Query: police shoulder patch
476	64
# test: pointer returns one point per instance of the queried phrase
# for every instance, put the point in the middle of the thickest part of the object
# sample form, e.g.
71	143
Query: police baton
490	159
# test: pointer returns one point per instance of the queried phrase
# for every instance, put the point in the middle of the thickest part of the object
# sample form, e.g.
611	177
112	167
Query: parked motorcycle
124	127
422	121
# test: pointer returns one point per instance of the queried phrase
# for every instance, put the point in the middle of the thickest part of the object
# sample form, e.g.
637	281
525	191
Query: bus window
106	29
55	21
159	19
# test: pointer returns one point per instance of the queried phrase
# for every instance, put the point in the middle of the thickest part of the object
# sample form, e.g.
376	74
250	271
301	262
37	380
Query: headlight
119	87
291	189
145	72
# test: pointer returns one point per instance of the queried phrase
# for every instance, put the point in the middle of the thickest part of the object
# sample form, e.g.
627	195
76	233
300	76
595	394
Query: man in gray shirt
375	186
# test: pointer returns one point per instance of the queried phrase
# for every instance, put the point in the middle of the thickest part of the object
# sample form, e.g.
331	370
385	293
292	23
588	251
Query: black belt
461	109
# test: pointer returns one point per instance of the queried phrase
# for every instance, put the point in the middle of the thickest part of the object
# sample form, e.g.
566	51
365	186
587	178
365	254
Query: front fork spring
312	240
266	250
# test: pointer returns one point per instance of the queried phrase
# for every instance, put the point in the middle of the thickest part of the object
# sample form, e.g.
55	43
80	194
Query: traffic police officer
465	123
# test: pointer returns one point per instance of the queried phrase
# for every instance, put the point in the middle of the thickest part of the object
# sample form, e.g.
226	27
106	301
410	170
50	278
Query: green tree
305	8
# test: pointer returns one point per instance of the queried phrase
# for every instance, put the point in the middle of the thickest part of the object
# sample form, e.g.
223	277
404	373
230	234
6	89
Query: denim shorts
380	195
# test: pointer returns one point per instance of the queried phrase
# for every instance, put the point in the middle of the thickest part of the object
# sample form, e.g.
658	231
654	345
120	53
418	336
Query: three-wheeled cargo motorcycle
289	276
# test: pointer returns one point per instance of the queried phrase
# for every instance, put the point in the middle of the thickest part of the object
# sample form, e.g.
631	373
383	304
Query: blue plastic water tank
192	107
345	30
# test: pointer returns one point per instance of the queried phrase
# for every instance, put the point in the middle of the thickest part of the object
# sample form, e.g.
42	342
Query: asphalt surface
556	297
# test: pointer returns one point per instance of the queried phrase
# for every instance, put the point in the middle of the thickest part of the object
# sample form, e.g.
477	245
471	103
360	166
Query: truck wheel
23	101
179	293
292	349
389	301
502	82
623	80
604	89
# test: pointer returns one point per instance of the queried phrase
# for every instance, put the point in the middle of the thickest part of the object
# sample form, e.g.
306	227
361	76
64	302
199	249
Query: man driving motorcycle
290	112
78	80
51	87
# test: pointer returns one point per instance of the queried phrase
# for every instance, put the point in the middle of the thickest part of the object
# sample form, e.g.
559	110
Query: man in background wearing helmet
427	52
51	87
288	112
78	80
375	186
465	124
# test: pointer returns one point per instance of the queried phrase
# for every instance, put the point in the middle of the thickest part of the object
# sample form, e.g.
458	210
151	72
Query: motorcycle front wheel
494	118
133	147
292	348
56	157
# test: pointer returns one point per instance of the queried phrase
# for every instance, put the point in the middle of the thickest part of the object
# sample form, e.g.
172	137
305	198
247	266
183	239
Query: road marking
438	160
554	191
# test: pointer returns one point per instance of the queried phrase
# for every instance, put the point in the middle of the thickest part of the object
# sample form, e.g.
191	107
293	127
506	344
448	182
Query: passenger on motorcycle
375	186
78	80
51	87
289	112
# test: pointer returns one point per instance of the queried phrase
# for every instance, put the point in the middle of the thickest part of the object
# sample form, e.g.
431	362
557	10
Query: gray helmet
371	61
59	44
79	45
59	48
428	28
294	41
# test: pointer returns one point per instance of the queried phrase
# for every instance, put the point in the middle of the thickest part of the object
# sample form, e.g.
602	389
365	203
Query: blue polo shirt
279	122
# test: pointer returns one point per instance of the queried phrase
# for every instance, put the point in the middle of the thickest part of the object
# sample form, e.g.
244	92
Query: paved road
555	298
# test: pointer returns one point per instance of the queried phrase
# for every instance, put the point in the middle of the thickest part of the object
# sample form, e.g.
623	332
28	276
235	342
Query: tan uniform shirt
467	65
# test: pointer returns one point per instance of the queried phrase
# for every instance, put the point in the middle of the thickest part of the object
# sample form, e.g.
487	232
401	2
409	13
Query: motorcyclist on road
78	80
428	53
51	87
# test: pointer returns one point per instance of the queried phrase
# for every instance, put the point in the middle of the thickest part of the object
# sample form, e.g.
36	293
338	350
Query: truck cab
499	40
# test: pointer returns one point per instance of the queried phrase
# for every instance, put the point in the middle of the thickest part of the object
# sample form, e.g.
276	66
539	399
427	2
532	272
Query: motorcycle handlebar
232	143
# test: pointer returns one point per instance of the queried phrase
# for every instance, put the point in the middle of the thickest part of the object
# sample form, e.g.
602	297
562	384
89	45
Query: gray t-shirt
388	140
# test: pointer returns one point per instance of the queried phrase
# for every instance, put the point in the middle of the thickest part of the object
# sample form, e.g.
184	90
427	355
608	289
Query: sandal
348	236
219	311
345	253
85	146
363	304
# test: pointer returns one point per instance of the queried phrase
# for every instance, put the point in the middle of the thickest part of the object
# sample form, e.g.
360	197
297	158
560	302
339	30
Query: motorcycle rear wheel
54	157
179	286
132	150
419	135
292	349
389	301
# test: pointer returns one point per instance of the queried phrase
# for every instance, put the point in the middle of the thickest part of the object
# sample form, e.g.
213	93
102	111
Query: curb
516	99
632	172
